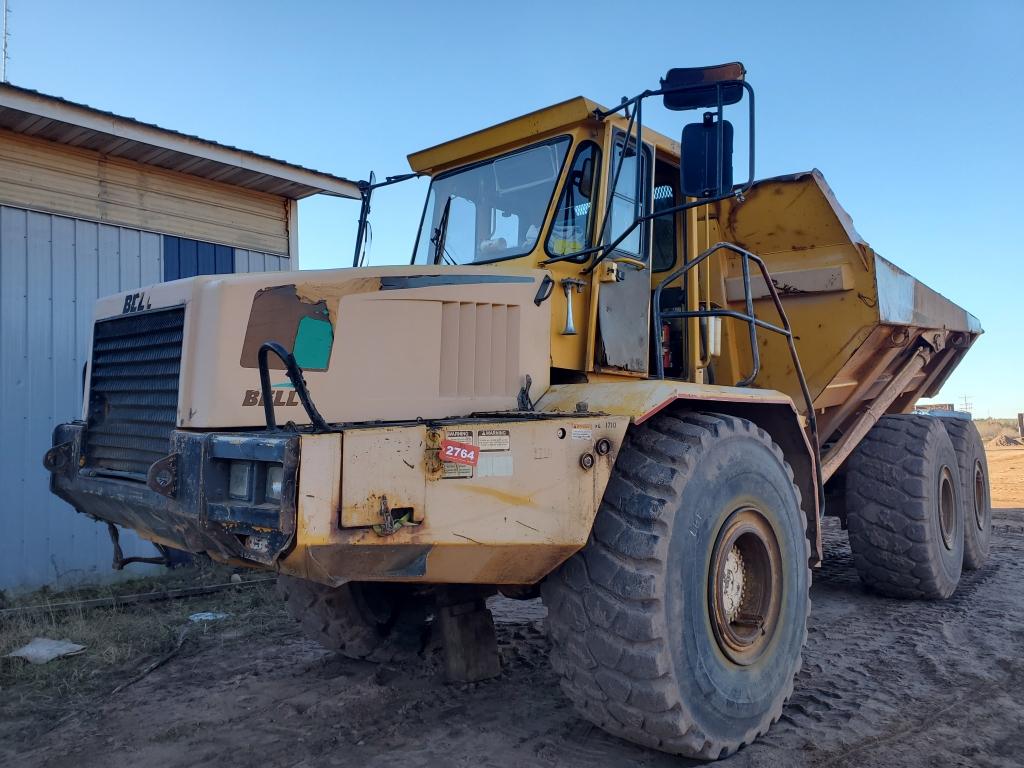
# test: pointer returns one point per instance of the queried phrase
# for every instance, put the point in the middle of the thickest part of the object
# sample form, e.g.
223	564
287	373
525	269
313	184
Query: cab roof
519	131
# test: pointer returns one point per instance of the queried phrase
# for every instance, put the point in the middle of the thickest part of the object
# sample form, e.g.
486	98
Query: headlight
239	480
275	477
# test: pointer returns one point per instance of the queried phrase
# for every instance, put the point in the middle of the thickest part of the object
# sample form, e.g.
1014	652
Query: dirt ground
884	683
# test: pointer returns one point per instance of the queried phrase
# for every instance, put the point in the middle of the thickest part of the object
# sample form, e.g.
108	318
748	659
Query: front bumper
373	502
186	502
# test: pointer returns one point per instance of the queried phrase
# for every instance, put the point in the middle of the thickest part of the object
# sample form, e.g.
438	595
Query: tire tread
968	446
889	501
607	597
332	617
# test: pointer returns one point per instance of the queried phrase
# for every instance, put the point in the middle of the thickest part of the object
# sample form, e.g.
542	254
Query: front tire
360	621
680	624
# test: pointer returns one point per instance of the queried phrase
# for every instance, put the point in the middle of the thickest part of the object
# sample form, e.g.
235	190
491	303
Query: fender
771	410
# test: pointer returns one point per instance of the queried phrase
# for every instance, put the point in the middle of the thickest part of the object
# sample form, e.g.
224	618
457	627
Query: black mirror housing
585	182
700	174
699	87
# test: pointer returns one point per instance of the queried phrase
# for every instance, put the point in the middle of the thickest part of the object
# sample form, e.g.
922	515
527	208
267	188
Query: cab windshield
492	210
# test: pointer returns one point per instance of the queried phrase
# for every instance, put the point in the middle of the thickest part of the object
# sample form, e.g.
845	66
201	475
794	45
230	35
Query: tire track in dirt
884	682
876	669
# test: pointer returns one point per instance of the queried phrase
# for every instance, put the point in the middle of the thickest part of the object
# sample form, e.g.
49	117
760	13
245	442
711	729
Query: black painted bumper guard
185	501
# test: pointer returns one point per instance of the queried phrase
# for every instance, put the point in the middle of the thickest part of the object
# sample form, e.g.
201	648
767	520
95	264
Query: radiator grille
133	394
479	350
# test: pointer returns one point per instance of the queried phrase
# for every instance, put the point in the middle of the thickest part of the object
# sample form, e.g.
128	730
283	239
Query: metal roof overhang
31	113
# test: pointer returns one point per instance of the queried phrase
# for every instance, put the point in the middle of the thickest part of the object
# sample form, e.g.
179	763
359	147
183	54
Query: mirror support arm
738	190
366	191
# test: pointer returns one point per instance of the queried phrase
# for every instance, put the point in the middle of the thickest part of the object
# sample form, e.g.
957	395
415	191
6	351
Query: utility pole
6	35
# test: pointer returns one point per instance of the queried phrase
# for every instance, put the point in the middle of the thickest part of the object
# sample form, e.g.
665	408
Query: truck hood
385	343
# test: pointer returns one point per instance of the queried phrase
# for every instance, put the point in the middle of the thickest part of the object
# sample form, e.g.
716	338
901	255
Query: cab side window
664	250
624	206
572	228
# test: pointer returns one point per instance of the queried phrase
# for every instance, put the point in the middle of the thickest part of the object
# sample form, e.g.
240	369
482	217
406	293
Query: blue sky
912	110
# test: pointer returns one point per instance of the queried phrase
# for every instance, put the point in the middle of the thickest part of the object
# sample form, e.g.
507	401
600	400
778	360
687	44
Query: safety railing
753	322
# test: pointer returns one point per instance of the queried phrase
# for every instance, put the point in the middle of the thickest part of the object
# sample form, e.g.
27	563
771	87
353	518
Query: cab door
623	306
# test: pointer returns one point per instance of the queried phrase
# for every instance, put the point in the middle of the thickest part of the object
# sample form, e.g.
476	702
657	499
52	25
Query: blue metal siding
52	270
206	266
188	258
224	263
13	383
172	260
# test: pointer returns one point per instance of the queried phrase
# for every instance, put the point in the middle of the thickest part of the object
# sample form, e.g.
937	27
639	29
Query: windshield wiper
439	235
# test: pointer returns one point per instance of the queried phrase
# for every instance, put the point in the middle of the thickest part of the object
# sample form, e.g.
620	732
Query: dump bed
864	328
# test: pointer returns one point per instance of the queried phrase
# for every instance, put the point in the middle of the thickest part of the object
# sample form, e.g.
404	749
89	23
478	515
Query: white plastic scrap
208	616
43	649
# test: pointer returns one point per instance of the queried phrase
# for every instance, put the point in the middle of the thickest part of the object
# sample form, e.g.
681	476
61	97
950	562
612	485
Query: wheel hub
732	584
947	508
745	586
980	495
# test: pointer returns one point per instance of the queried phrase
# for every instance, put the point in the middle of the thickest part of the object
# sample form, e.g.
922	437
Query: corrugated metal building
90	204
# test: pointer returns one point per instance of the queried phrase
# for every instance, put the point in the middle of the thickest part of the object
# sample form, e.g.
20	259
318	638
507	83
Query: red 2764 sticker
459	453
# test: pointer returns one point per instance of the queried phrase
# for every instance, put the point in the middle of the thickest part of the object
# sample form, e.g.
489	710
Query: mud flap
470	642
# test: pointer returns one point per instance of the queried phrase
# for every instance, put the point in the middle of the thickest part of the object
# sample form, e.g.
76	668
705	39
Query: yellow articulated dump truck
615	375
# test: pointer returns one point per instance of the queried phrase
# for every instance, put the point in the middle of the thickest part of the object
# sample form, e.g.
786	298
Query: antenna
966	405
6	37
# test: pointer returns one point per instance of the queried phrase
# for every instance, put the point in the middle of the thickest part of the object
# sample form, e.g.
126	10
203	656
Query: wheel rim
745	586
947	507
980	487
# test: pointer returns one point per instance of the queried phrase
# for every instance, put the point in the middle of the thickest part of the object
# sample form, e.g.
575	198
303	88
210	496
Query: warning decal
582	432
494	440
455	464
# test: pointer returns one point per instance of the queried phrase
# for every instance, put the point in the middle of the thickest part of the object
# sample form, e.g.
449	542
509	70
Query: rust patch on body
512	499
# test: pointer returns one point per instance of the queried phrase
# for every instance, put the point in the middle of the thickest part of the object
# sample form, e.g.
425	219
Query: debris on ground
155	664
1005	441
208	616
43	649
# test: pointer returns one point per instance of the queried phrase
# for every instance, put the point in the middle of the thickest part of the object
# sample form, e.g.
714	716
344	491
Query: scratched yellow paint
510	526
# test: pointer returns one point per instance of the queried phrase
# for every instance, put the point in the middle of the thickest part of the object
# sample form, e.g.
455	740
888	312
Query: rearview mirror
701	175
585	180
703	87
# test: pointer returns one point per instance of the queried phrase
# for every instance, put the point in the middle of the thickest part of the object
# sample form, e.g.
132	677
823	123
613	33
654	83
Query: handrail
753	323
294	373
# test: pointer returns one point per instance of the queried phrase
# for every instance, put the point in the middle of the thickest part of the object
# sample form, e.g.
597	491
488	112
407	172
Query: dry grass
120	641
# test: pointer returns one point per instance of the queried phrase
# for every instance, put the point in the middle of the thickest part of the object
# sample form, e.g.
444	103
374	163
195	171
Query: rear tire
903	509
975	495
680	624
360	621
